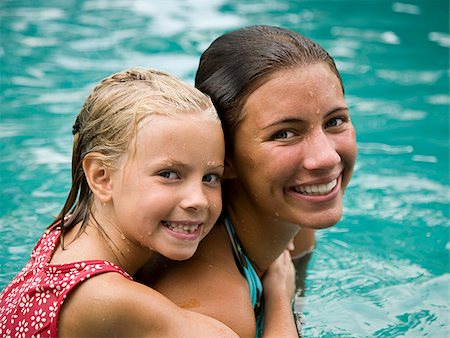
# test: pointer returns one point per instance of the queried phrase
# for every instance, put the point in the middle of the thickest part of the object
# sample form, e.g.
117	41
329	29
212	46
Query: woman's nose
320	152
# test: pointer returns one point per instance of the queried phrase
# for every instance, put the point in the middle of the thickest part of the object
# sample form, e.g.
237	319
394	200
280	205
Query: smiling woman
299	120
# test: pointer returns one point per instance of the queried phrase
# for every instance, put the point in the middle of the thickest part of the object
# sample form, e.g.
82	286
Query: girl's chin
179	255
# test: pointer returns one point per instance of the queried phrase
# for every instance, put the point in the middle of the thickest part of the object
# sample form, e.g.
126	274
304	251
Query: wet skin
167	196
295	149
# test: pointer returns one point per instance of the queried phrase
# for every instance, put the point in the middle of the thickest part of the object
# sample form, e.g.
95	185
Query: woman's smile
315	189
317	193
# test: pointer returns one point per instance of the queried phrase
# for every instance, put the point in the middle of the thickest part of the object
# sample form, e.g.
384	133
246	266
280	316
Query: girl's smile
167	194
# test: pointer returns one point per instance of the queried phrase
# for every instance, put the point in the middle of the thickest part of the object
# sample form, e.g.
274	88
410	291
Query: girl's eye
283	134
211	178
171	175
335	122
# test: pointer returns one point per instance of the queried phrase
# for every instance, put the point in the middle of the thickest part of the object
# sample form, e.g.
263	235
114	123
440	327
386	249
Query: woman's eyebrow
284	120
337	109
296	119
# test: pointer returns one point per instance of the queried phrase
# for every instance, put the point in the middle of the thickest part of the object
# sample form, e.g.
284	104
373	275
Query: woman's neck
263	237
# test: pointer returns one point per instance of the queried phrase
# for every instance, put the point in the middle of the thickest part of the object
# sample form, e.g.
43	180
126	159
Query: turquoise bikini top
254	283
253	280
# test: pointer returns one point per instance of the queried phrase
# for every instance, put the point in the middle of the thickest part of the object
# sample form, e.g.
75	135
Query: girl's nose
195	198
320	152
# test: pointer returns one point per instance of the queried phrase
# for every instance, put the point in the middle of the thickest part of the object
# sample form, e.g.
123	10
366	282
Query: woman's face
295	149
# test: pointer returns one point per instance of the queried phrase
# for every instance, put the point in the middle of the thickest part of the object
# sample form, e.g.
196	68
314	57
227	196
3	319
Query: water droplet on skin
122	236
277	214
310	93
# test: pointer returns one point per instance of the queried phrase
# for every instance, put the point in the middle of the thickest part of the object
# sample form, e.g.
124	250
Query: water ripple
406	8
380	148
410	77
382	295
388	37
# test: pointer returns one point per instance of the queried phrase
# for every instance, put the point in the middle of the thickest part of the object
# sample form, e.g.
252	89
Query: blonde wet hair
109	121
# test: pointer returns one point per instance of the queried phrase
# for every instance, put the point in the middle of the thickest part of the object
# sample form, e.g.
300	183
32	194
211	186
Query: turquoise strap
253	280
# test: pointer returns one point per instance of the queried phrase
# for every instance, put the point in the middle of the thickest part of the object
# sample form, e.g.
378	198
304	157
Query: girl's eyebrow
215	167
296	119
175	163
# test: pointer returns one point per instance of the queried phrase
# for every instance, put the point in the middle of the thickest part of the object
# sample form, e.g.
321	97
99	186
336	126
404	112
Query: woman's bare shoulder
209	283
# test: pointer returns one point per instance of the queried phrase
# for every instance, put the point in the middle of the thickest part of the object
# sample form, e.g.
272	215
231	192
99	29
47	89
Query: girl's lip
308	191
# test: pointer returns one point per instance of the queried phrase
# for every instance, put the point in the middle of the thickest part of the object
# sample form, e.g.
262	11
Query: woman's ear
228	172
98	176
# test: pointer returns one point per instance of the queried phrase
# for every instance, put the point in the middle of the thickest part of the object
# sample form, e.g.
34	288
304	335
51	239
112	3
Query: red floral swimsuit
30	304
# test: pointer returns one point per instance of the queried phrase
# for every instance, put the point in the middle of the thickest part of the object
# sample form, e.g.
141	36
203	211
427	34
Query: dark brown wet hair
239	62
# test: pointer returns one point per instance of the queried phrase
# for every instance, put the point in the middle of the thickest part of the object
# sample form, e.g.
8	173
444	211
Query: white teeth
181	227
316	189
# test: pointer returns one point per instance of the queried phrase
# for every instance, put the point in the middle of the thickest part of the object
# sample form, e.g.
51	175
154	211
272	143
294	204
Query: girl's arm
110	305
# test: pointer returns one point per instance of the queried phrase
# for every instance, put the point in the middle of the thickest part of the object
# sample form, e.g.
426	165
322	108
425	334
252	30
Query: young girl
146	169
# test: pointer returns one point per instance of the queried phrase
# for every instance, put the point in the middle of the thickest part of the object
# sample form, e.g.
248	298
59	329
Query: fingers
291	246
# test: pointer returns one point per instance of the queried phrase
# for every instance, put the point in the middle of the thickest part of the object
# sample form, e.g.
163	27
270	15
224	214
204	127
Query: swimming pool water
383	271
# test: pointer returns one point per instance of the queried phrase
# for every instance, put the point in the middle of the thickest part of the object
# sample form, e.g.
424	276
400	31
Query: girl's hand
279	279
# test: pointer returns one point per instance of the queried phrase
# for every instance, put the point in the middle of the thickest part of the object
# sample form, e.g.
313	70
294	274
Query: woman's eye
283	134
335	122
211	178
171	175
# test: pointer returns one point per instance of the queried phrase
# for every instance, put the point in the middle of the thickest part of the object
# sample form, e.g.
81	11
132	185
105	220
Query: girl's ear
98	176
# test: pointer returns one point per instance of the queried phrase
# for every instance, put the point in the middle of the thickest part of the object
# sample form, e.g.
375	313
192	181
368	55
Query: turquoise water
381	272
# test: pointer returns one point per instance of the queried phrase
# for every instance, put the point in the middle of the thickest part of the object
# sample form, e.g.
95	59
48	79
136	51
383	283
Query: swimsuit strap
253	280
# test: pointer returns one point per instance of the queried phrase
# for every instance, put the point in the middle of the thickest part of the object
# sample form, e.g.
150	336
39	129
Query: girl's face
295	149
167	195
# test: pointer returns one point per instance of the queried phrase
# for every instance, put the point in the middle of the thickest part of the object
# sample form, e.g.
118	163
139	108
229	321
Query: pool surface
383	271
